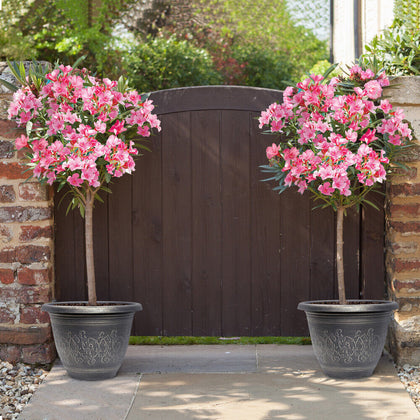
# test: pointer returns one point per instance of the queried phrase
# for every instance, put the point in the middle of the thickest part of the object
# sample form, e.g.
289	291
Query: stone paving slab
190	359
222	382
286	384
60	397
258	396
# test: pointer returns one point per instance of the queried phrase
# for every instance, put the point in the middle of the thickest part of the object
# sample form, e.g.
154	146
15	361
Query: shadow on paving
286	383
222	382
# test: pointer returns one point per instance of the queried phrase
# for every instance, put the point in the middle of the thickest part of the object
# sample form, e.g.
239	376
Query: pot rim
73	307
353	305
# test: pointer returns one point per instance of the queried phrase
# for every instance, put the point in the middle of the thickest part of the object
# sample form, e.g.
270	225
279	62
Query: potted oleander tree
341	140
81	132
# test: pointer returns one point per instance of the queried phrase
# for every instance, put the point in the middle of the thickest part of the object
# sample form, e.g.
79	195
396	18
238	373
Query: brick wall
26	253
403	233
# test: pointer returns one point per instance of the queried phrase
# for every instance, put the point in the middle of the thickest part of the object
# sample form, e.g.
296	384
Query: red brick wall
26	254
403	233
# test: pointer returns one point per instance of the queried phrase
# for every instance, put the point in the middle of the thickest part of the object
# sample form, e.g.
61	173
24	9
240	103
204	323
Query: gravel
410	377
18	382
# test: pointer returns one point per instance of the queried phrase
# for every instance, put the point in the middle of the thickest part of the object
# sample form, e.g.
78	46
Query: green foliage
213	41
61	31
263	38
188	340
167	63
262	68
251	43
408	13
323	67
397	48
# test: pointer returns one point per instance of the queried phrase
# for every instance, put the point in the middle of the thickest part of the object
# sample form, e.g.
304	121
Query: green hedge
168	63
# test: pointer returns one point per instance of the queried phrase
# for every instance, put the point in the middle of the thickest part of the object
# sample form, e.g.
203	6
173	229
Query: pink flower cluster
78	126
337	143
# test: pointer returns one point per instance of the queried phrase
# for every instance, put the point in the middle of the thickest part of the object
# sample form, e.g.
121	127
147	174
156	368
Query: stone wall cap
404	90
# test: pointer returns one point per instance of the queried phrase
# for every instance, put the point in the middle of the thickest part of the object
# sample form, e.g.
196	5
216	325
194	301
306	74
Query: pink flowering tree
341	140
81	131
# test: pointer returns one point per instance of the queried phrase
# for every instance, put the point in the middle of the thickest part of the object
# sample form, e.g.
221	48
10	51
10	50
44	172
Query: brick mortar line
403	199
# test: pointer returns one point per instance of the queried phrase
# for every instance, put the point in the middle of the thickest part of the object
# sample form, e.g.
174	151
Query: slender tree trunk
340	265
90	266
89	13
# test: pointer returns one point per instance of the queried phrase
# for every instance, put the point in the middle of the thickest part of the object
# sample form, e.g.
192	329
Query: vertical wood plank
70	281
147	238
323	272
206	223
372	249
236	311
265	240
176	207
294	260
100	248
120	240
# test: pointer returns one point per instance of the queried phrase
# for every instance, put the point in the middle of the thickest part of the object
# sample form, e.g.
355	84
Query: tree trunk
90	266
340	265
89	13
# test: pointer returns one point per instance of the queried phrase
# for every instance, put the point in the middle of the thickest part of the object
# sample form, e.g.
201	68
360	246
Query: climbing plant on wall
408	13
397	48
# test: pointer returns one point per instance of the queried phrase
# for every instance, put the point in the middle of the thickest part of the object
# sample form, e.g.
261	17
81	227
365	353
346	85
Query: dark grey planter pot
91	341
348	339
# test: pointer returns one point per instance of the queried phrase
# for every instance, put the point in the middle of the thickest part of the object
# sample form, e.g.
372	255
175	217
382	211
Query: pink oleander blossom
373	89
75	180
340	143
272	151
21	142
81	127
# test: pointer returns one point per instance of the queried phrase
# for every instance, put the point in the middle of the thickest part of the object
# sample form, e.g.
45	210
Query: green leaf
78	61
330	70
106	189
70	207
371	204
143	147
15	69
145	96
9	85
61	185
82	210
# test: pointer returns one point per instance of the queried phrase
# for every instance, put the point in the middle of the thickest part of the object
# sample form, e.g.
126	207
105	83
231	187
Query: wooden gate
202	243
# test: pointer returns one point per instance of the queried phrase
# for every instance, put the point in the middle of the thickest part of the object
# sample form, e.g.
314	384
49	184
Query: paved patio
222	382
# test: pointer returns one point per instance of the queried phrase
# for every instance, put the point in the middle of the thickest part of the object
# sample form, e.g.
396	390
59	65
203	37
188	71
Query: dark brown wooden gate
202	243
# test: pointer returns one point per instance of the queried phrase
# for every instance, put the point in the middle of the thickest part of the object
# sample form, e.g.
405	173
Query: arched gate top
223	97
